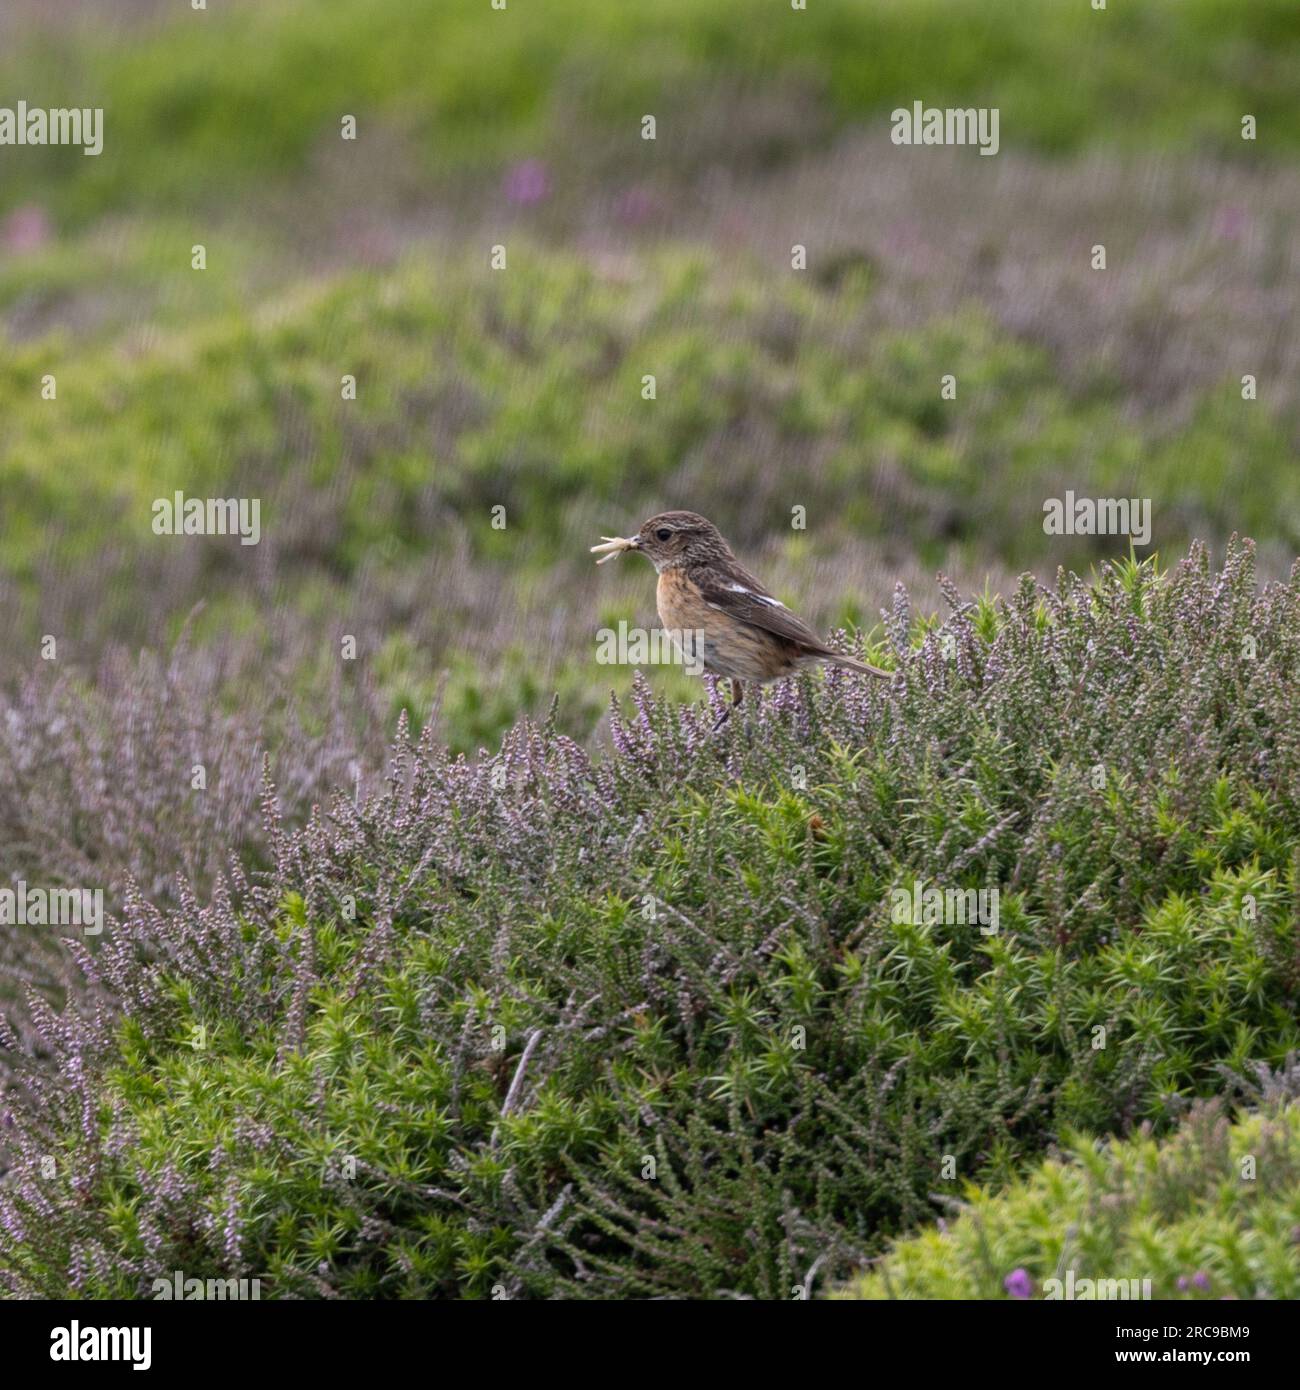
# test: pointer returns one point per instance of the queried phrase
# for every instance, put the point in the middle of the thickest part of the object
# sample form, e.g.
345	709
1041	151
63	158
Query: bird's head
671	538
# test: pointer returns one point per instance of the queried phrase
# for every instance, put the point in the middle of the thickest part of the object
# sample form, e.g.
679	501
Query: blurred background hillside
522	388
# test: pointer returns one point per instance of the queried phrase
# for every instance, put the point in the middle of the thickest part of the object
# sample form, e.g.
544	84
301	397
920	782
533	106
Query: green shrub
1211	1212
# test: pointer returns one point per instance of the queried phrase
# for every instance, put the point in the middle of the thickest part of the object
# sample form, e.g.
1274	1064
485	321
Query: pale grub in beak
613	547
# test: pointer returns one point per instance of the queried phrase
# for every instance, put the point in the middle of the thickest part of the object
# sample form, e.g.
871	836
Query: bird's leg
737	695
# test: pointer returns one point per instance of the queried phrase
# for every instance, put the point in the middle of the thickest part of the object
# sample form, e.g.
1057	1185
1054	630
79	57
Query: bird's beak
615	546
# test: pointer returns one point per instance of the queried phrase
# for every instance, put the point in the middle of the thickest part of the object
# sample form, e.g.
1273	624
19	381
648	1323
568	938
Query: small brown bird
746	633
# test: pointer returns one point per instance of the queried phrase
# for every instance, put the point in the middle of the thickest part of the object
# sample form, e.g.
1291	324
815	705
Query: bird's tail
852	664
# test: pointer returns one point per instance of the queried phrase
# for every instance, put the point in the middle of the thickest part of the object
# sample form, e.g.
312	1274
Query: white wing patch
762	598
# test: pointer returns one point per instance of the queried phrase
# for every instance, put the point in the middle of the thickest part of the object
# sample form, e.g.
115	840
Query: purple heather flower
1230	221
635	206
1182	1283
527	183
1018	1284
26	229
1201	1279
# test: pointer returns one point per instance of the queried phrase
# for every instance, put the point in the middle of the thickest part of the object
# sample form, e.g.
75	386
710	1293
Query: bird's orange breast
680	603
729	646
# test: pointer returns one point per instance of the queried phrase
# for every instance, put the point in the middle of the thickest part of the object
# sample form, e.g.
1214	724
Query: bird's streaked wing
741	596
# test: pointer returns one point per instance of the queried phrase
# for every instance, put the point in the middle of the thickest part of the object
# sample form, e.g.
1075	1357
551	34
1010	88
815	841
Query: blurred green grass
207	106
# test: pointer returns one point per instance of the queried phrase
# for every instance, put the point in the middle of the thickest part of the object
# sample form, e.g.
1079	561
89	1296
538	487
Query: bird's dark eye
664	533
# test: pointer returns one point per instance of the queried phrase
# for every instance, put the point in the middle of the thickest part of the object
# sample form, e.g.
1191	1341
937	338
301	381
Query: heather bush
149	770
1213	1212
559	1024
